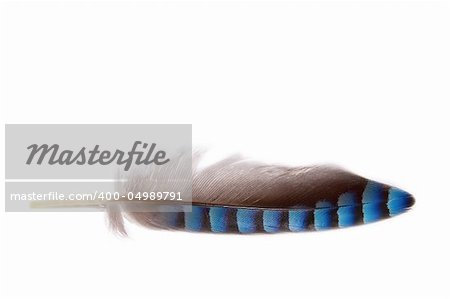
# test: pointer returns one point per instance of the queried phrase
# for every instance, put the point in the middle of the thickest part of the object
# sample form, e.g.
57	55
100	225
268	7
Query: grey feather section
115	219
237	182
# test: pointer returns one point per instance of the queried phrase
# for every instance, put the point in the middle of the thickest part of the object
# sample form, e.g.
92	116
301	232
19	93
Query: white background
360	84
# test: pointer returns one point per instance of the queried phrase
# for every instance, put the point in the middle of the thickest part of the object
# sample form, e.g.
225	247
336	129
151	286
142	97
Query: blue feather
323	215
246	220
348	209
219	219
194	220
272	220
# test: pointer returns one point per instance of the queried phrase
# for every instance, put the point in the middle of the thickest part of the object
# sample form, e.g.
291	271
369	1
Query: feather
241	196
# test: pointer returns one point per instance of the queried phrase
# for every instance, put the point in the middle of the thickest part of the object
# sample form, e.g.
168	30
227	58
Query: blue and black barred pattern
375	202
